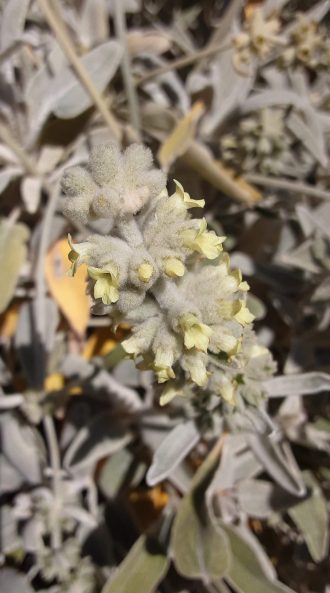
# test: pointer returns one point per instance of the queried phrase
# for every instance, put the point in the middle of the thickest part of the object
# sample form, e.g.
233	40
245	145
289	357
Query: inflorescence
165	274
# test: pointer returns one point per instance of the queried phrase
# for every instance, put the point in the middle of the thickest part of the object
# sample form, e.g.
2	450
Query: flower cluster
259	37
304	43
261	142
309	45
161	271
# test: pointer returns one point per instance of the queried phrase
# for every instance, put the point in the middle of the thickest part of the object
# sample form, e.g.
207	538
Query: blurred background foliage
101	488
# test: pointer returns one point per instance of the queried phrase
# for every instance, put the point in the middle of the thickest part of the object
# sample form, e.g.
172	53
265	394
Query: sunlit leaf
200	549
140	572
311	517
181	137
12	256
69	292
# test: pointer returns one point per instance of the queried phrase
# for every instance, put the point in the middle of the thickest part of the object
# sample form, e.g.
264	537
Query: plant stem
41	321
55	463
132	98
56	24
291	186
182	62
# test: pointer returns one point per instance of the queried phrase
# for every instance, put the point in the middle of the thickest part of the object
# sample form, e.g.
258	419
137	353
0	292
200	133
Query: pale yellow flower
77	255
196	334
173	267
106	283
244	316
203	241
185	197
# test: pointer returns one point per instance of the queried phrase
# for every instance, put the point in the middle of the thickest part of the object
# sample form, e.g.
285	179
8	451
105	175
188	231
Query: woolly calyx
113	184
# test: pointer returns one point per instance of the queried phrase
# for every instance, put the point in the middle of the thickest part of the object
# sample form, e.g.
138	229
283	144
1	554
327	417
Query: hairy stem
54	456
133	104
55	22
182	62
291	186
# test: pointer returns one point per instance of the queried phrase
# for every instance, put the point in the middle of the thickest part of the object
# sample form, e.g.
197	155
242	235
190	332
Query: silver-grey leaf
172	451
302	384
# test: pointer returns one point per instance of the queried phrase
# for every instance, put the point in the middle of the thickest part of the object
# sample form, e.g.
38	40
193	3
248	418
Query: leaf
20	446
12	256
63	94
246	573
261	499
199	548
32	347
119	469
148	41
172	451
100	437
230	90
7	175
275	463
31	188
69	292
12	580
12	21
302	384
8	321
311	518
311	137
181	137
140	572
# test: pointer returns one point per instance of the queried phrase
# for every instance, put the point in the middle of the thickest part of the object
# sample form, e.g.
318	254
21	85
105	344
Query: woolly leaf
172	451
302	384
12	256
311	518
140	572
276	464
181	137
200	549
246	573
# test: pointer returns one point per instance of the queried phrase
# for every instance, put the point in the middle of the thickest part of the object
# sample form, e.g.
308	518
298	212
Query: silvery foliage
107	434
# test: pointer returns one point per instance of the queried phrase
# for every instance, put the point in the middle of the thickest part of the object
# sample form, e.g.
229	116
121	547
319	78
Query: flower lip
106	283
203	241
195	334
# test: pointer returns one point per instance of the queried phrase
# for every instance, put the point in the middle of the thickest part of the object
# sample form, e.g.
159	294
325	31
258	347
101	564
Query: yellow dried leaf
68	292
100	343
54	382
181	137
148	504
8	321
